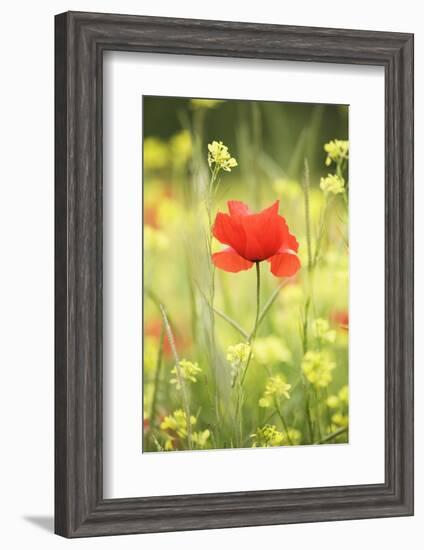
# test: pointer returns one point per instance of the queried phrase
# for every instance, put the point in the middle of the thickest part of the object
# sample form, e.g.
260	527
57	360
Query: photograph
245	274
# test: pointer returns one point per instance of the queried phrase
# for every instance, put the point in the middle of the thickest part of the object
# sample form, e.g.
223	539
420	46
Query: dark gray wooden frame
80	40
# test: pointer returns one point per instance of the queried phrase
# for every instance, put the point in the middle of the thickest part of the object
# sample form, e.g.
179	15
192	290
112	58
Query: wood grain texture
81	39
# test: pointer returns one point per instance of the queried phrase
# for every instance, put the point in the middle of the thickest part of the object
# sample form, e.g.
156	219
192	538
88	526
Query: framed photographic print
234	274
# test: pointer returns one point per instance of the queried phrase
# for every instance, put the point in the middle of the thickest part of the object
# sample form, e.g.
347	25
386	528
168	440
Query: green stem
306	188
318	413
267	305
252	336
157	376
213	353
321	230
229	320
308	410
327	408
331	436
264	311
250	340
283	422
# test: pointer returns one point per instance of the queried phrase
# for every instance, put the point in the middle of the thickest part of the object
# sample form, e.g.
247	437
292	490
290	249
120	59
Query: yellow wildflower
337	150
188	372
333	401
267	436
200	439
323	333
169	444
339	400
317	367
177	422
344	394
333	184
340	420
237	355
275	388
219	155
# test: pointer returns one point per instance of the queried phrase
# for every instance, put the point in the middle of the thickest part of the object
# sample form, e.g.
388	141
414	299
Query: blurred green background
288	132
271	142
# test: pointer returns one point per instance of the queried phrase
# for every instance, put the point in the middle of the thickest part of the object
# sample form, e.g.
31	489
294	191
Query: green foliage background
270	142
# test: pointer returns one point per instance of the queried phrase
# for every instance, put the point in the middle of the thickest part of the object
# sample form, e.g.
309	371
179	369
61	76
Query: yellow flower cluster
237	355
275	388
317	367
267	436
188	372
219	155
323	332
337	150
271	349
177	423
200	439
339	404
332	184
340	420
341	399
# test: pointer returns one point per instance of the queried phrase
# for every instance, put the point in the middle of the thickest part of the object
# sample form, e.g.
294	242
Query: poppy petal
229	260
285	264
238	208
289	241
228	230
292	243
265	233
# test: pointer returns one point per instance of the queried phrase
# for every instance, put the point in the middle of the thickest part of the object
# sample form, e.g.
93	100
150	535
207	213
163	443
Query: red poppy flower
254	238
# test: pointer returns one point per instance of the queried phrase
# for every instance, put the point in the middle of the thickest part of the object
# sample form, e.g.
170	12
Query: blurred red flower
153	329
151	216
341	318
254	238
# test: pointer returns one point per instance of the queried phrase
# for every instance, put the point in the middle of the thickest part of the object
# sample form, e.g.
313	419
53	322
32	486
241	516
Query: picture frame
80	42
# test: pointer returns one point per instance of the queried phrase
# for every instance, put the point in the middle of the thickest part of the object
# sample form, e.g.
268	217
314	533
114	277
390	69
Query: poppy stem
250	340
258	298
252	336
268	304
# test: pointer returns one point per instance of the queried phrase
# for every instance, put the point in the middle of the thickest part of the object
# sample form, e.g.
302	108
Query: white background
128	472
26	295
